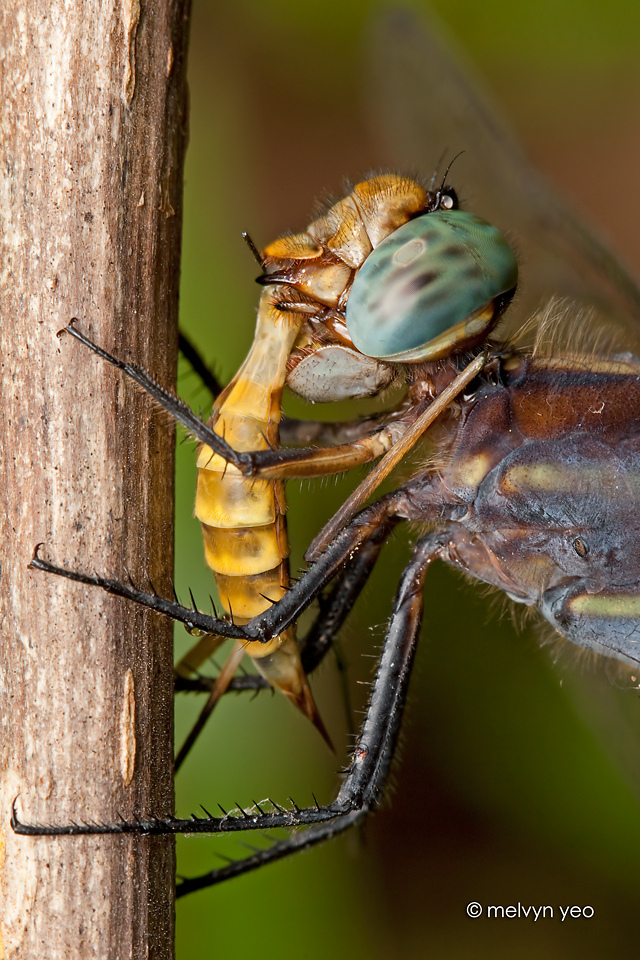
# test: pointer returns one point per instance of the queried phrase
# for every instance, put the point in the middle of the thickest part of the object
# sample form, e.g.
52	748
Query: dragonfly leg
282	613
172	404
196	361
267	464
373	753
367	772
373	522
278	851
334	610
335	607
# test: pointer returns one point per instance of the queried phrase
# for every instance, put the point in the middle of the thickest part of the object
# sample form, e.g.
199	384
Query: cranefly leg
217	691
370	760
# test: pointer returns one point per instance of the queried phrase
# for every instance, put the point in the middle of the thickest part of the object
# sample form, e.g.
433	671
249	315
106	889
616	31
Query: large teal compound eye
432	288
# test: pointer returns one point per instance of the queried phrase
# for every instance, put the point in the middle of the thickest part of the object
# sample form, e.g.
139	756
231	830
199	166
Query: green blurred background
519	779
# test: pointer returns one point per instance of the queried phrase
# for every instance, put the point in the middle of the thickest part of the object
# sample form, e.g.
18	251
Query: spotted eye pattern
431	288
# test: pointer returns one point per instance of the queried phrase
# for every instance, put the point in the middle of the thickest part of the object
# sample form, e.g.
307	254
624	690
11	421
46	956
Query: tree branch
93	127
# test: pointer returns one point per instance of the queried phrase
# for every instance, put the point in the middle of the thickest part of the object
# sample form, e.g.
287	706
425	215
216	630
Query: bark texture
92	127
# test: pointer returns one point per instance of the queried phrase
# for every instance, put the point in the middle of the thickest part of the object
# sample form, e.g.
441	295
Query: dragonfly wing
427	105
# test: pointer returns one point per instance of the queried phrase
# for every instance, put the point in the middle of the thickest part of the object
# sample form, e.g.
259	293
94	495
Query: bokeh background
519	777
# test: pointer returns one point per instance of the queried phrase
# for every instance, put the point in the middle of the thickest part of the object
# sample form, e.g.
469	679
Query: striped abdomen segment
243	519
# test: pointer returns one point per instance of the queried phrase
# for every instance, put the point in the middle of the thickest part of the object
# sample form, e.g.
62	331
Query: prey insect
530	488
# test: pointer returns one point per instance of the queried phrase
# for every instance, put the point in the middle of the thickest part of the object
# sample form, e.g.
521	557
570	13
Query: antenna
446	173
254	250
445	198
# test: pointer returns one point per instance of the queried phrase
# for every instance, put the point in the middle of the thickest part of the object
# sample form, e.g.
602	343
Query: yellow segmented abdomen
243	518
245	543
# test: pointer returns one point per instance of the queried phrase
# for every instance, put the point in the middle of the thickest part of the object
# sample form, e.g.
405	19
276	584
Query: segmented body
243	519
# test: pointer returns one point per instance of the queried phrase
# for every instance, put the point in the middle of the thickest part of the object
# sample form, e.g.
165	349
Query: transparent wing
424	100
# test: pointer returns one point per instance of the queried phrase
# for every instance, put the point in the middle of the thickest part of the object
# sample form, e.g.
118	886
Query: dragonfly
563	261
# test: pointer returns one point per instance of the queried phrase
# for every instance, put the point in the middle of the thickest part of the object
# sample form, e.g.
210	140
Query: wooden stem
93	124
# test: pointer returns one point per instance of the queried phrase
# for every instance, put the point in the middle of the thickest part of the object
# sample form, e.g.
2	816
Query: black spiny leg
283	613
335	607
372	525
278	851
334	610
370	760
178	410
274	464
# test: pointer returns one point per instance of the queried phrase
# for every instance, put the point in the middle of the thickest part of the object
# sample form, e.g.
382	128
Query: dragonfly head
391	274
435	287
